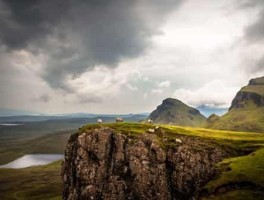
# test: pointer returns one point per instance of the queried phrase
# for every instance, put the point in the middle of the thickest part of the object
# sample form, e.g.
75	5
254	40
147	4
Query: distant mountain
173	111
14	112
69	117
208	110
246	112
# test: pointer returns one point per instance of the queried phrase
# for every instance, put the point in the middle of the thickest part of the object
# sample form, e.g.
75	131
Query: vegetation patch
239	175
36	183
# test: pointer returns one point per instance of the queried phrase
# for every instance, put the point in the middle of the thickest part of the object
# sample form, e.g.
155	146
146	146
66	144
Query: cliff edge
106	163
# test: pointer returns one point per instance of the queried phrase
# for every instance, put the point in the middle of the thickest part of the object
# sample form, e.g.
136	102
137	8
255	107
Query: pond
11	124
33	160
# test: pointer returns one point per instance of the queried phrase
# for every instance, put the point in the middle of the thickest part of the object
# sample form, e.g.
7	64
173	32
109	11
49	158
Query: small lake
33	160
11	124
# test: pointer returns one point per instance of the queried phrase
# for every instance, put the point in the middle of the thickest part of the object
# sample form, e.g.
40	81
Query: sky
126	56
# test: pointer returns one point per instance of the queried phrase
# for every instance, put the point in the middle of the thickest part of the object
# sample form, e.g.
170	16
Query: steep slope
173	111
247	109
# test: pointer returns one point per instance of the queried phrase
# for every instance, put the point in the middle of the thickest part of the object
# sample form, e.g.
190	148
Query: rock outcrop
173	111
250	95
103	164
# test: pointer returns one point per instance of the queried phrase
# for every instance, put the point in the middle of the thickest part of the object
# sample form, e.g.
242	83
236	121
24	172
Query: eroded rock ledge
103	164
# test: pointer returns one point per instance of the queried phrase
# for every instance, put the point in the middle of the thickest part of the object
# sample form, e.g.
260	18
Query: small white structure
99	121
118	119
178	140
151	130
150	121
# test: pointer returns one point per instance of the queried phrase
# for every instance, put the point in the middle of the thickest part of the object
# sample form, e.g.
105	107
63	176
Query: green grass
124	128
234	171
240	169
34	183
249	118
233	137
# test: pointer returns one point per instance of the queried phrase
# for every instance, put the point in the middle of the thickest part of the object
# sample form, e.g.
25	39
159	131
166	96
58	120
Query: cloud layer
69	56
76	36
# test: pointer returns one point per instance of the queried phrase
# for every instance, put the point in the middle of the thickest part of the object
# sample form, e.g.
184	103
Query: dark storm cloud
77	35
23	22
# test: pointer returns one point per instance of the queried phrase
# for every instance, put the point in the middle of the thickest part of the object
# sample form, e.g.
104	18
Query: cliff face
173	111
103	164
243	97
250	96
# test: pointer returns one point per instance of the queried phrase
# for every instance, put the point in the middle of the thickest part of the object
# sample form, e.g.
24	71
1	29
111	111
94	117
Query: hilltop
173	111
246	112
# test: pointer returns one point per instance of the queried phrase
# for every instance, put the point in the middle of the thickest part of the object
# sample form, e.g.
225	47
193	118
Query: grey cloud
89	99
259	65
23	22
255	31
78	35
254	34
43	98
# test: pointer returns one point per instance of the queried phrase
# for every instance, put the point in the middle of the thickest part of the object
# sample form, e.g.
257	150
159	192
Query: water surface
11	124
33	160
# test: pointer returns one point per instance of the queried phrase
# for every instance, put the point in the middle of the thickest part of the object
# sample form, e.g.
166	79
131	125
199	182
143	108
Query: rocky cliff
250	95
173	111
103	163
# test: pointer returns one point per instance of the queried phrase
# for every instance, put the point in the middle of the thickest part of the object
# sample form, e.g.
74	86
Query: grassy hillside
241	120
247	110
245	172
44	182
175	112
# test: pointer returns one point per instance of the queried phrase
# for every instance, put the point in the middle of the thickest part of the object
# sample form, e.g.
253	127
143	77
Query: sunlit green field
244	165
